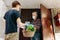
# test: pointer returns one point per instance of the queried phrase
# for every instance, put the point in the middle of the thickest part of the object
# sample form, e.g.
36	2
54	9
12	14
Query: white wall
3	9
25	3
56	29
36	3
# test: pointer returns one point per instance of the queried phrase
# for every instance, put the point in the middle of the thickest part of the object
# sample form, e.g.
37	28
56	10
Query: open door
46	16
26	15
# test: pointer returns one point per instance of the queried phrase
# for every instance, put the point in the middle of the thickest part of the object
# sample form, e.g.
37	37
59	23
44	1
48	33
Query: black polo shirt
11	24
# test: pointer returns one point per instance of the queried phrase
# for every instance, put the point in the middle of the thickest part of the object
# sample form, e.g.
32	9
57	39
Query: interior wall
56	29
54	13
3	9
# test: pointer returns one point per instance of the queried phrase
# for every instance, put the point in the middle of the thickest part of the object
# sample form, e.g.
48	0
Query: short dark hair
15	3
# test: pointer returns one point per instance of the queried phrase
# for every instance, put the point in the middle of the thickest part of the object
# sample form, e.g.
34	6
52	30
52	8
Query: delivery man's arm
19	23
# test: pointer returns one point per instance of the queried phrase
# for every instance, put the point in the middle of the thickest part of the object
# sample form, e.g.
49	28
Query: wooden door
47	26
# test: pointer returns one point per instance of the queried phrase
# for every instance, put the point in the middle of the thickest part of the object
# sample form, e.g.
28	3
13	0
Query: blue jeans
36	36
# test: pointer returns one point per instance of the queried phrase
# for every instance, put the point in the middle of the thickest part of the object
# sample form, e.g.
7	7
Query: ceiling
36	3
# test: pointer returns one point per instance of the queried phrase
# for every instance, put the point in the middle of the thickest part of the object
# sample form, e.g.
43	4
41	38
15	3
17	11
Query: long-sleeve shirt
37	24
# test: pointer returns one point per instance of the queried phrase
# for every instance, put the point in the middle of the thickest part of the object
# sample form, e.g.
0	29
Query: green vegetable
30	27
